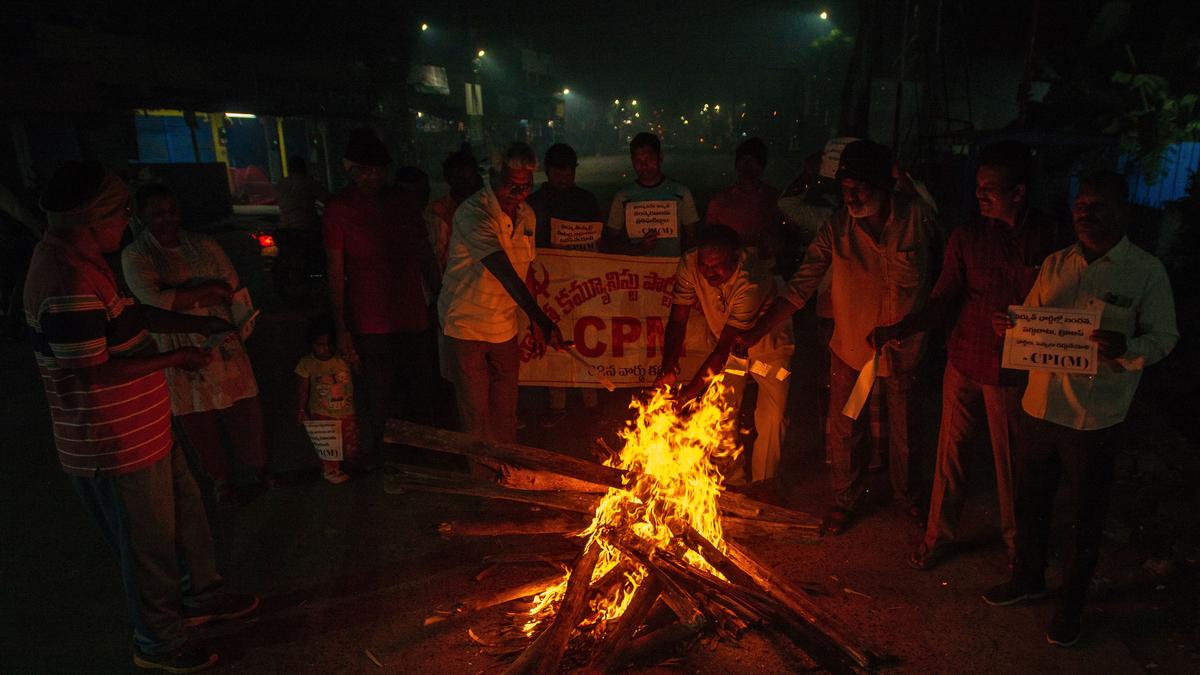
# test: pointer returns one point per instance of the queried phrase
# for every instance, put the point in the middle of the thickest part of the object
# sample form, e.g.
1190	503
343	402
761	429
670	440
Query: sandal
924	558
835	521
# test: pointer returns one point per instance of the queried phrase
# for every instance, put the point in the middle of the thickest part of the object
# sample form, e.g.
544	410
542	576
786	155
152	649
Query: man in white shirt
730	285
1073	422
491	247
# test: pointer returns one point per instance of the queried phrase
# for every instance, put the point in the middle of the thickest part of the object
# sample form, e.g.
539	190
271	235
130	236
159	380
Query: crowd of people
416	286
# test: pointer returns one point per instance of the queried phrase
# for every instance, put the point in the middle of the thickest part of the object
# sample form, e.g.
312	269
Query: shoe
1065	628
835	521
336	477
925	558
185	660
1011	592
225	607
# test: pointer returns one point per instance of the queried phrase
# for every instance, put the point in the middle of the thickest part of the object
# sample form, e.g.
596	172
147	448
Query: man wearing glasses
491	246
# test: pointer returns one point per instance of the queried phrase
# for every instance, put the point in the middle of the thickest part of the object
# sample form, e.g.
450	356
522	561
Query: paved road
348	568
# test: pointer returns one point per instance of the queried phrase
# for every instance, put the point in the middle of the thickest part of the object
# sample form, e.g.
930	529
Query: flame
670	459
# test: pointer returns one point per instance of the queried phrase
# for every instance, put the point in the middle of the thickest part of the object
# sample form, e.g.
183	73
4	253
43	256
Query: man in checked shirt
989	265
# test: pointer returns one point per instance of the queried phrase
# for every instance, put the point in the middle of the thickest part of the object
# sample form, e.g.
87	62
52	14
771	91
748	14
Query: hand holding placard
1048	338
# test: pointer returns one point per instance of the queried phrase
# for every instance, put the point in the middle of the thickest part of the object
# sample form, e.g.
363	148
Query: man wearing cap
568	217
380	264
491	247
111	413
879	247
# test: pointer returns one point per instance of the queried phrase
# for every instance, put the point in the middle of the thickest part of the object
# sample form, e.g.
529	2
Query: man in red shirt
380	265
989	265
461	172
749	205
111	412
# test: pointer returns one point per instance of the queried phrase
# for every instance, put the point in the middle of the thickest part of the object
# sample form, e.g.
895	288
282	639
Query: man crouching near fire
730	286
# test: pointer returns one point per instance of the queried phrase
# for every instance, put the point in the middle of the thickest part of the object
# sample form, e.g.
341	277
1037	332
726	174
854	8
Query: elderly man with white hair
491	246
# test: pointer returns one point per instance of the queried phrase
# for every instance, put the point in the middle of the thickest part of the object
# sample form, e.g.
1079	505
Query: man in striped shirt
111	414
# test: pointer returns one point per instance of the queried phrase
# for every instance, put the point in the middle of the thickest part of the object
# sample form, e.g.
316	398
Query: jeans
154	521
963	400
845	435
1084	462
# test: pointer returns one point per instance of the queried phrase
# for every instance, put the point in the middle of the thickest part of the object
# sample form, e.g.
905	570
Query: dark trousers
154	521
845	436
214	433
484	375
395	367
1083	461
964	401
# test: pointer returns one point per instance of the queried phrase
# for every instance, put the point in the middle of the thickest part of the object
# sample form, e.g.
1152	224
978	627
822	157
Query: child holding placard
325	401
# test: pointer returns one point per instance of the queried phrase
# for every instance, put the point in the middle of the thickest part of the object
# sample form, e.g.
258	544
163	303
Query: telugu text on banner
613	307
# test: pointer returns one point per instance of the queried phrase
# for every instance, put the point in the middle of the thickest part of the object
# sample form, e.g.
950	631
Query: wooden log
558	524
675	596
656	641
545	654
552	558
745	528
460	484
798	602
520	478
614	644
408	433
491	598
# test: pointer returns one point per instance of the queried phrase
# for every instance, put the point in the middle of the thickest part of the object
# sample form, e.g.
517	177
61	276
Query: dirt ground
346	570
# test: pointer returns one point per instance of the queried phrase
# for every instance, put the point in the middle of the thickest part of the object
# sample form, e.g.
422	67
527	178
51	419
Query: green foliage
835	38
1158	120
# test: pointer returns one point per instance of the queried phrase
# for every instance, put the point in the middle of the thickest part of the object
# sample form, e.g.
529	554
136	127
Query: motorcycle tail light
266	240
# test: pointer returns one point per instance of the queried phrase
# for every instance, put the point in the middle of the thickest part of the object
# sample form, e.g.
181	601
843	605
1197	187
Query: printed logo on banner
659	216
614	308
572	234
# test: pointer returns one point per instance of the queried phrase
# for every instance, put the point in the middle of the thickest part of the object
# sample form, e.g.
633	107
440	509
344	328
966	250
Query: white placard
1047	338
660	216
241	307
862	389
831	157
326	437
570	233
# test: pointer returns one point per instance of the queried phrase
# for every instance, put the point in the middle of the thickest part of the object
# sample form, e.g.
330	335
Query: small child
324	392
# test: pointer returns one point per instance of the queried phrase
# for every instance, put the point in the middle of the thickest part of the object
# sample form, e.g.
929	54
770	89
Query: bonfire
655	568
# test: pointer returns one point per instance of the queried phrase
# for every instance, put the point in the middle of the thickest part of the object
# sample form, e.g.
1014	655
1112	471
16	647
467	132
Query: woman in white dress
217	407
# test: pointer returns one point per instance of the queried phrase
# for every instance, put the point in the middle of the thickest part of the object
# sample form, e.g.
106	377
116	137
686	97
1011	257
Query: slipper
835	521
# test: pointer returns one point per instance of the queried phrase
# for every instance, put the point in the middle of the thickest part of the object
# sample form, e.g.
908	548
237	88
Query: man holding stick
730	286
491	247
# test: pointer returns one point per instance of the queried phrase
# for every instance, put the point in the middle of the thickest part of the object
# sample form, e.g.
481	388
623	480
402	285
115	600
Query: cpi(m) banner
613	307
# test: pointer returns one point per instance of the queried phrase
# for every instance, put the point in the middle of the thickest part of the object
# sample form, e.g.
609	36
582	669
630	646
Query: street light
633	102
480	54
424	27
566	90
616	101
824	16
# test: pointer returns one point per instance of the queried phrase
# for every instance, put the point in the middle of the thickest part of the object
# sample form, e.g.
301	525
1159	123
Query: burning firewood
657	535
